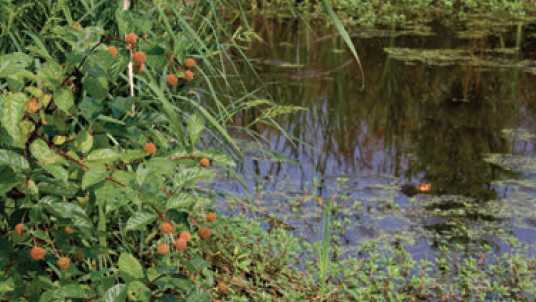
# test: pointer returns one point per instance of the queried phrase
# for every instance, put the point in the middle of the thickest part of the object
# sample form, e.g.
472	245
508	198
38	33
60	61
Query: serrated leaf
118	293
13	63
97	172
139	220
190	176
15	160
130	268
13	112
197	294
62	209
196	128
63	97
180	201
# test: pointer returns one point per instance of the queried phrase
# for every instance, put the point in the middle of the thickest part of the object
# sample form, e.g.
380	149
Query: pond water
450	107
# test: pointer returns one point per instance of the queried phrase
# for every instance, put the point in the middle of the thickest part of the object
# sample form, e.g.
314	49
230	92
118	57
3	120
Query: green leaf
13	112
96	87
103	156
190	176
97	172
44	154
6	284
196	127
58	172
84	142
15	160
118	293
197	294
8	180
63	97
139	220
71	291
13	63
139	291
130	268
180	200
55	188
198	264
218	157
75	213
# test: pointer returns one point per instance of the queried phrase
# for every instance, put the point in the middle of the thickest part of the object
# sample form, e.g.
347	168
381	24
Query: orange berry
188	75
31	105
138	68
189	62
222	287
69	230
162	248
172	80
63	263
204	233
139	57
167	228
37	253
204	162
181	244
211	217
78	256
18	228
112	50
131	38
149	148
77	26
185	235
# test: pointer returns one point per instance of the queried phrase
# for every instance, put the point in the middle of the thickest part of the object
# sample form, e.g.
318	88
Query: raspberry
167	228
37	253
131	38
69	231
181	244
189	62
222	287
162	248
185	235
18	228
172	80
204	233
112	50
138	68
149	148
211	217
78	256
139	57
188	75
204	162
31	105
63	263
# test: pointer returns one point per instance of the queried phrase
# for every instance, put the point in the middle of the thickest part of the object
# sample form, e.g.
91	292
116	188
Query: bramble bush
99	194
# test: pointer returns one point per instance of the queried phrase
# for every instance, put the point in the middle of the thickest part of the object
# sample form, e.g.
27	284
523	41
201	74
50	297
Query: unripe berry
69	82
31	105
112	50
185	235
189	62
222	287
172	80
204	162
167	228
18	228
181	244
211	217
204	233
162	248
37	253
149	148
63	263
69	230
78	256
138	68
188	75
131	38
139	57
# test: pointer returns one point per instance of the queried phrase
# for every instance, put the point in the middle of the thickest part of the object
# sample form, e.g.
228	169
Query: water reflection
436	104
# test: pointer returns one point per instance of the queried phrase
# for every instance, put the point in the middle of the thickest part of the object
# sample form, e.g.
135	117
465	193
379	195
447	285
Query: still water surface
450	106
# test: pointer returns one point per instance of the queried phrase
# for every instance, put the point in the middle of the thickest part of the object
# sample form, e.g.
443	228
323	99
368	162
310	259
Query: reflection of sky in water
380	139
